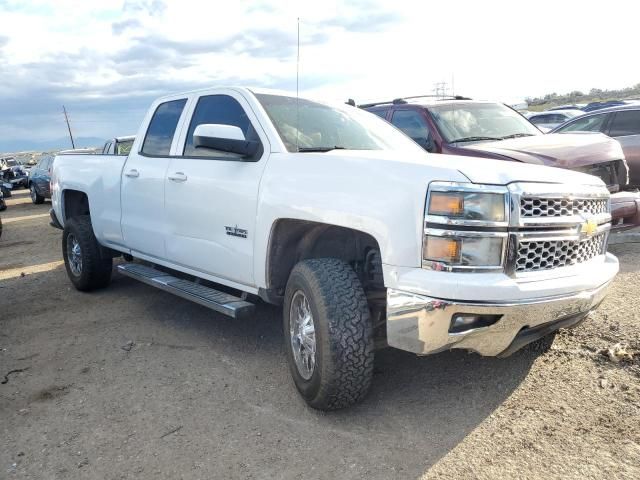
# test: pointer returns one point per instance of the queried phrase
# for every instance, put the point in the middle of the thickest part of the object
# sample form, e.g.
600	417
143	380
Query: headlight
457	205
465	226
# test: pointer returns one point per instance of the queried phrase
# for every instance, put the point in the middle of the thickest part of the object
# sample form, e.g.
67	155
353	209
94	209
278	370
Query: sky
107	60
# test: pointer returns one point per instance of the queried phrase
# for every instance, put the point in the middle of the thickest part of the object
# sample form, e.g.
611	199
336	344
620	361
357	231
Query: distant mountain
49	145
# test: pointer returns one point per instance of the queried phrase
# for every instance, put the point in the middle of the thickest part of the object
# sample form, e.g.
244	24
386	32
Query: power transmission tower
73	145
440	89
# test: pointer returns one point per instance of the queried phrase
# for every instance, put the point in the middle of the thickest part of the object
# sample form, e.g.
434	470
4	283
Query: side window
591	123
381	112
163	125
414	125
625	123
222	110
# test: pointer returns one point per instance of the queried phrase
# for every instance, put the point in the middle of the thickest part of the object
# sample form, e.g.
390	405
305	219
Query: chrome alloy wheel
33	194
303	335
74	255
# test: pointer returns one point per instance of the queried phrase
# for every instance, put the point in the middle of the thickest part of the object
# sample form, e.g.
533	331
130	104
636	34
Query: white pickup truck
232	196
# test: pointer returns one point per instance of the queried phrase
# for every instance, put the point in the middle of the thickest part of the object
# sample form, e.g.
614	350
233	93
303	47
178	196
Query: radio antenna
298	90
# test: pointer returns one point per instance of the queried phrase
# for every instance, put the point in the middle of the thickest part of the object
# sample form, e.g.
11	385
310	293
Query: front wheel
35	196
86	268
329	334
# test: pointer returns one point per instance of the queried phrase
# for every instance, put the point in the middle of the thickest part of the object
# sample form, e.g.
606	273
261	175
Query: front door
211	196
143	181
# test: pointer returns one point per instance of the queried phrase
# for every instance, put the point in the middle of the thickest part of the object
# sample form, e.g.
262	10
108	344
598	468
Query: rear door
211	196
143	182
625	128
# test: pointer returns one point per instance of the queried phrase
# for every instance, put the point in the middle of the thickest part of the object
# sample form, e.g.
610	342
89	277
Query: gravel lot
130	382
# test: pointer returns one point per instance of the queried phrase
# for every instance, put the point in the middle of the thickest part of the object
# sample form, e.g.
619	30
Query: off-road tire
36	198
343	333
96	270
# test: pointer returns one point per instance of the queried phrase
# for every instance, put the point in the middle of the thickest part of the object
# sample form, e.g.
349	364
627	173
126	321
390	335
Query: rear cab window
162	128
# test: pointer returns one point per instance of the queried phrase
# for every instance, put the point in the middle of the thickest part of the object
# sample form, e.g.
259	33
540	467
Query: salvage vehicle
14	173
546	121
232	196
118	145
461	126
40	178
621	123
5	187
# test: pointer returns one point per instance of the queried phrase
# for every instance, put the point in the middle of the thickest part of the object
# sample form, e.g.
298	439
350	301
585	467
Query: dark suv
461	126
39	179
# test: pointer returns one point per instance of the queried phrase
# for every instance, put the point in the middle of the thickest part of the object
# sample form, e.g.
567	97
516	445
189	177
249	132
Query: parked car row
460	126
549	120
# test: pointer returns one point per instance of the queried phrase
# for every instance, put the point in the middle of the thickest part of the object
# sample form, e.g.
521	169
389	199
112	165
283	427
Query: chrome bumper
420	324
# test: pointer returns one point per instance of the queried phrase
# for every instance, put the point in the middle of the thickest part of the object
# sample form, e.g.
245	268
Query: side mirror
226	138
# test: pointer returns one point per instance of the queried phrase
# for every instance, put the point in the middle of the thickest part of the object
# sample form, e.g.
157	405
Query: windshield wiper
320	149
517	135
474	139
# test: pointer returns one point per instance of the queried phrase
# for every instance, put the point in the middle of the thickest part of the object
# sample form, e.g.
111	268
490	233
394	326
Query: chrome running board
221	302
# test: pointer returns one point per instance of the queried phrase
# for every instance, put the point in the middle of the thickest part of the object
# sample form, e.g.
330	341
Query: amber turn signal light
447	204
442	249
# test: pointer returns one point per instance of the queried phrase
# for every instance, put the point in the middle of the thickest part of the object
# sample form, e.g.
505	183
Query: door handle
178	177
133	173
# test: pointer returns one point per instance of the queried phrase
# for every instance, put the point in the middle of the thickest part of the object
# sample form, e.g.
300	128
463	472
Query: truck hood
564	150
475	169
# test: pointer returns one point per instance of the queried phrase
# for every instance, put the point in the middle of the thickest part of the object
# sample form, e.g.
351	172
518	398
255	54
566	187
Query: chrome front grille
536	255
532	207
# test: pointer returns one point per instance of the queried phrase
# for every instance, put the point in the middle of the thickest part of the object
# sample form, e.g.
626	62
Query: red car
461	126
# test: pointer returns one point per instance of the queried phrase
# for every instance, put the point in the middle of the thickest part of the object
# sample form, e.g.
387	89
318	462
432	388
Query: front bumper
421	324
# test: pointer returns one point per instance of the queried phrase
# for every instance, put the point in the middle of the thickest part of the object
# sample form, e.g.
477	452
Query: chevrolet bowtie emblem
589	228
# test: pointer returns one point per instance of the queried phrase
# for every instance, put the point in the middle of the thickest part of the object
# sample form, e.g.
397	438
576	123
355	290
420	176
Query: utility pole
73	145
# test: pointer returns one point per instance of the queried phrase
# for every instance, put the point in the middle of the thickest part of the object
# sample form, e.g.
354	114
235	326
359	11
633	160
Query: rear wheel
86	268
329	335
35	196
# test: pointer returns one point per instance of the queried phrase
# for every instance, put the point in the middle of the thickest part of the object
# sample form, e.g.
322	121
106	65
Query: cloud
4	40
367	22
150	7
119	27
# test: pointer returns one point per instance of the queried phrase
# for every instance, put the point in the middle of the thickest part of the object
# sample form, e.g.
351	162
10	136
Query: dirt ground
131	382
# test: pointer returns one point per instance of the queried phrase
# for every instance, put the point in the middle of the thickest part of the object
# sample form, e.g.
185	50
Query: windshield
322	127
480	121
